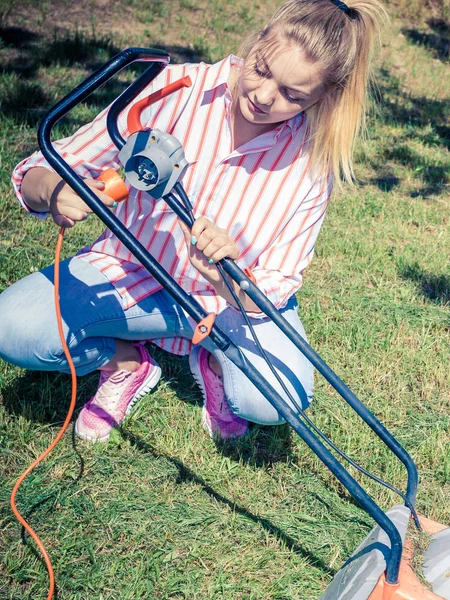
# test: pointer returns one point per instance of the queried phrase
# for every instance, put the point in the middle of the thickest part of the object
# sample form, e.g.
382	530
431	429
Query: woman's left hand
206	244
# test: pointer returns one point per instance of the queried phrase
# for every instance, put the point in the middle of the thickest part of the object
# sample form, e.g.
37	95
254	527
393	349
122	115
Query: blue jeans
93	317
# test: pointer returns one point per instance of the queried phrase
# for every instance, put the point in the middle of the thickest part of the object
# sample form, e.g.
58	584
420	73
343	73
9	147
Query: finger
72	213
190	238
200	225
220	247
63	221
67	198
107	200
212	235
225	251
186	231
95	183
99	187
209	248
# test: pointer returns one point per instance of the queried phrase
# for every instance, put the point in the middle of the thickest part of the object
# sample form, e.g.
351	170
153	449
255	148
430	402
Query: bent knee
254	406
25	330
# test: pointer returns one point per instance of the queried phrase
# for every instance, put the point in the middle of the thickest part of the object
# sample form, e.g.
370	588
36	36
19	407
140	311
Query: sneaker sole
147	385
195	370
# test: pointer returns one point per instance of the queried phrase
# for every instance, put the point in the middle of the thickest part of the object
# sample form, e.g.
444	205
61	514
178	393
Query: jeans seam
61	358
231	399
178	327
75	337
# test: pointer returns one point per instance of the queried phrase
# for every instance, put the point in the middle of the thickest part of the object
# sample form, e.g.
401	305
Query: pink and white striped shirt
263	193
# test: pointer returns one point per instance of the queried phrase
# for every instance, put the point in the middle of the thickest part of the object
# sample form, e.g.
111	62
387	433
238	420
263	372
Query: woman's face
277	83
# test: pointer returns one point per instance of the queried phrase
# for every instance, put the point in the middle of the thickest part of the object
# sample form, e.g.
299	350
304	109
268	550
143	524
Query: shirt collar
225	65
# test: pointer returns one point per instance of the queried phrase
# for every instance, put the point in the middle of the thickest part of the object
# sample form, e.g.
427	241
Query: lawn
161	511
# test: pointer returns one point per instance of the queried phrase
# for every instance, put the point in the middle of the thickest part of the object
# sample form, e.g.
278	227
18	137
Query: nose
266	92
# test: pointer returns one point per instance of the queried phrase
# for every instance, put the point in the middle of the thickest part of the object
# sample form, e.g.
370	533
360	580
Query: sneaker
117	392
217	418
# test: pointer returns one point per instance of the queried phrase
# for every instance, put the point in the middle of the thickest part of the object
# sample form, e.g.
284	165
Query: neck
243	130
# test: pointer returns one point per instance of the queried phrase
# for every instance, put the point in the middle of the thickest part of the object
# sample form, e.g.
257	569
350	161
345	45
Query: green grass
161	512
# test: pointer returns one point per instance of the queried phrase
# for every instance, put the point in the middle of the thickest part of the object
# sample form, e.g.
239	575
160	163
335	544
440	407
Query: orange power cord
115	188
16	512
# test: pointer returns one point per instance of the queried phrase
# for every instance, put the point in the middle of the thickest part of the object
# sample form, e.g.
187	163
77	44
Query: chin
250	116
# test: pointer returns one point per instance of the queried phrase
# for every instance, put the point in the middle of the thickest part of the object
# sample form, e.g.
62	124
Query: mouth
255	108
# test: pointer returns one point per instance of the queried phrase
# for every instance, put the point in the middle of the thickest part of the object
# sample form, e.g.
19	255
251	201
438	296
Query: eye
258	71
289	98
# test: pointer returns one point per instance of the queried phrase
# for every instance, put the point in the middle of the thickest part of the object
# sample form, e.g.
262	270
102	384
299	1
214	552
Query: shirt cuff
276	287
35	160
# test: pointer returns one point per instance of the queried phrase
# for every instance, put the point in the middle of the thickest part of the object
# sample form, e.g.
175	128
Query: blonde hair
342	44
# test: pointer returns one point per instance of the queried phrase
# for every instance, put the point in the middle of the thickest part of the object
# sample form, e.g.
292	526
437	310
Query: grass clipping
419	541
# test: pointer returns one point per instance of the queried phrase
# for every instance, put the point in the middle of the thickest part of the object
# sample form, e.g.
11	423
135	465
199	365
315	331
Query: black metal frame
159	60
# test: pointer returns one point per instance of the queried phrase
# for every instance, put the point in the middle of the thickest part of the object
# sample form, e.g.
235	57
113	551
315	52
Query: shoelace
109	389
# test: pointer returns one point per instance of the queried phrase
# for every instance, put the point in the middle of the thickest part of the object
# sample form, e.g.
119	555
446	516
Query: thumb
63	221
107	199
96	184
100	189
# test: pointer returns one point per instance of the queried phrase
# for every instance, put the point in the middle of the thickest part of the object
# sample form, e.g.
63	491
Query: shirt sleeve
90	150
279	270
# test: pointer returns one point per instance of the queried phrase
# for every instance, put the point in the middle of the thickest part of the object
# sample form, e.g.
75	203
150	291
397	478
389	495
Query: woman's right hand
67	208
44	190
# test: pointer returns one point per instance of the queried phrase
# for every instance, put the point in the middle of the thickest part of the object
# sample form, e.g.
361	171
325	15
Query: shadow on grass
416	111
44	397
182	54
434	175
186	475
30	85
435	288
438	41
40	397
385	180
50	499
32	79
73	49
261	447
18	37
422	120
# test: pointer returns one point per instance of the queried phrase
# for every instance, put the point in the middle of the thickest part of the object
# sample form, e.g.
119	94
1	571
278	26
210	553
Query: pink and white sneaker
218	419
117	392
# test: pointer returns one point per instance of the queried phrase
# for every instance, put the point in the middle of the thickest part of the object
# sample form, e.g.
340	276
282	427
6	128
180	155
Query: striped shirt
263	193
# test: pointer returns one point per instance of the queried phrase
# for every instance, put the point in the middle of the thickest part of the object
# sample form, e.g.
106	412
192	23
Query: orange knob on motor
114	185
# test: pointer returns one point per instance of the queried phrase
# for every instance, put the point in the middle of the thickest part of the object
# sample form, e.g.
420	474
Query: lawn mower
380	568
